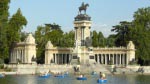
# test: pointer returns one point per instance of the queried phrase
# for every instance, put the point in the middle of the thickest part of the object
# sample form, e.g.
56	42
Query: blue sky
104	13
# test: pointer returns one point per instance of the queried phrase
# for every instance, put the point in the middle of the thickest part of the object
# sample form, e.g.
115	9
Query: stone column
62	60
105	59
123	60
15	56
116	59
23	55
11	57
113	59
98	58
102	59
56	58
120	60
61	57
126	59
109	58
70	58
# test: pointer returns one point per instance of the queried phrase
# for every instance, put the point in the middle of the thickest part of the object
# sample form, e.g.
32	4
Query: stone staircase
88	69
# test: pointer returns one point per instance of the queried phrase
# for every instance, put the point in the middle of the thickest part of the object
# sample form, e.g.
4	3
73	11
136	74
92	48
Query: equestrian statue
83	7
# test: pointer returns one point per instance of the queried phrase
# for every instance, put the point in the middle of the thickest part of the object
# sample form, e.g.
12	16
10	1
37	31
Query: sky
104	13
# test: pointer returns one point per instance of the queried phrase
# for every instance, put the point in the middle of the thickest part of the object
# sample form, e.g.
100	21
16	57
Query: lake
92	79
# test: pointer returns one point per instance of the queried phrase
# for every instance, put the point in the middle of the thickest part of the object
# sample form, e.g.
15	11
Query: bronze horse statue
83	7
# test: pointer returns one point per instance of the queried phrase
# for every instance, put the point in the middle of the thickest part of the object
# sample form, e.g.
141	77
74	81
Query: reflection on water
112	79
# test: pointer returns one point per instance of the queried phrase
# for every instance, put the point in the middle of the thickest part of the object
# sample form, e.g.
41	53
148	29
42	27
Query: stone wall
34	68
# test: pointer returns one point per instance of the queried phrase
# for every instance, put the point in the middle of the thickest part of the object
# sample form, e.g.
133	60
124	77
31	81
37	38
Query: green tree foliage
141	35
68	39
98	40
110	41
53	33
101	40
23	35
16	23
139	32
3	26
9	29
123	33
95	39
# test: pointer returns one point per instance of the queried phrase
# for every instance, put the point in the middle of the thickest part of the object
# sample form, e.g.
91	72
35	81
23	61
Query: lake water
112	79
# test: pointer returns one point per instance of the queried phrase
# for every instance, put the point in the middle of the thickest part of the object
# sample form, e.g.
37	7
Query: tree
101	40
110	40
45	33
16	24
68	39
123	33
95	38
142	34
3	26
23	35
139	32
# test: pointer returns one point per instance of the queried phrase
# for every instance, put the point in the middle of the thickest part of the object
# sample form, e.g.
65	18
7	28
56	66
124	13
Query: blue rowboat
101	80
81	78
45	76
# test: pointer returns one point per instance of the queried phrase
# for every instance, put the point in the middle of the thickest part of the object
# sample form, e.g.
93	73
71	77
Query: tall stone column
23	56
102	58
116	59
105	59
113	58
126	59
120	59
123	59
15	56
109	58
62	60
98	58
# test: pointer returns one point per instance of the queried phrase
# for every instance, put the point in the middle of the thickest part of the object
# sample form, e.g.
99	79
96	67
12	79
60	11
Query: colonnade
61	58
116	59
18	55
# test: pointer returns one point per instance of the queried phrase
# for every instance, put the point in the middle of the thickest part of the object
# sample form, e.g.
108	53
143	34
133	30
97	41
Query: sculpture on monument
83	7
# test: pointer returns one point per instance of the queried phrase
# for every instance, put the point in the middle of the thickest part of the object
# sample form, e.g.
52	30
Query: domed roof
81	17
49	45
30	39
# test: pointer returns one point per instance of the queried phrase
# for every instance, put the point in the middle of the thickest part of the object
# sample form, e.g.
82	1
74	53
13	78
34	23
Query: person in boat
102	75
81	76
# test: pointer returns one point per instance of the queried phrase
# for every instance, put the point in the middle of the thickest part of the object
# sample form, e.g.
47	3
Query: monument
81	53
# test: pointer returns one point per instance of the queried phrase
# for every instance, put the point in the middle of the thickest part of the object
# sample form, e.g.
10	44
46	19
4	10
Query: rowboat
101	80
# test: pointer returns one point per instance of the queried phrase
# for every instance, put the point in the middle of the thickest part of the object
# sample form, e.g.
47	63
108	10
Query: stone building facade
83	52
24	52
